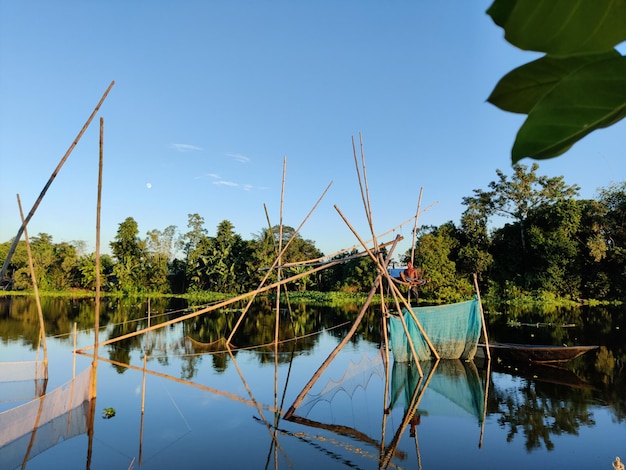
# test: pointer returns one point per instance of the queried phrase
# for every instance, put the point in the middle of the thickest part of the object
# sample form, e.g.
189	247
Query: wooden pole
417	213
482	425
342	343
96	327
42	326
212	307
276	262
413	240
482	317
384	272
7	261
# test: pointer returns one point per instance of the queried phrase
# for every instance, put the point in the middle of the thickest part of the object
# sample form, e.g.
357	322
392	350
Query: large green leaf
592	97
562	27
522	88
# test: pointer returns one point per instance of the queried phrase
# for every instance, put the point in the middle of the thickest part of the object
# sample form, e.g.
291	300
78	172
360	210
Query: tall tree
189	243
435	256
128	250
613	198
516	197
159	248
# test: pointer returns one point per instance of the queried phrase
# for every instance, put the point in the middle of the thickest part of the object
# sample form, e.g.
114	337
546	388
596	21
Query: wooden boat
538	354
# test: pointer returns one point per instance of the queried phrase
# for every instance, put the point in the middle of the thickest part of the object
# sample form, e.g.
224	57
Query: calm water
204	407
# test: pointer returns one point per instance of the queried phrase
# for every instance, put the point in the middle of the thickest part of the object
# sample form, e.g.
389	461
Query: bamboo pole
210	308
417	213
342	343
94	376
143	407
276	262
7	261
482	317
384	272
416	399
482	425
413	240
42	326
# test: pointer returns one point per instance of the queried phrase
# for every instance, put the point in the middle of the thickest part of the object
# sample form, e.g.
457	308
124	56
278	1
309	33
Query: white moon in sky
148	185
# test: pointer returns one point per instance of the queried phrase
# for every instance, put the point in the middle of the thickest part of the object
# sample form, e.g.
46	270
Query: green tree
87	267
266	246
474	240
554	260
513	198
159	248
613	233
435	255
128	251
189	243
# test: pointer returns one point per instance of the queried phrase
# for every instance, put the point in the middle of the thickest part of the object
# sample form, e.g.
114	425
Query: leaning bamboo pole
384	272
482	317
211	308
417	213
7	261
343	342
96	327
276	263
416	399
414	238
321	259
42	326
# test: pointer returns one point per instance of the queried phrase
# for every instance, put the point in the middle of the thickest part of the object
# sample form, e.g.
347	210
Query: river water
178	397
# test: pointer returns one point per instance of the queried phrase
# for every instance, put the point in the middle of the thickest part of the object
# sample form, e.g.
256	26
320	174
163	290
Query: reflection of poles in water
42	337
260	289
143	402
410	411
383	320
342	343
257	404
482	425
91	414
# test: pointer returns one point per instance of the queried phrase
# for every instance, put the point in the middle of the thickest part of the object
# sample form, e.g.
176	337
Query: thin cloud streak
225	183
237	156
186	148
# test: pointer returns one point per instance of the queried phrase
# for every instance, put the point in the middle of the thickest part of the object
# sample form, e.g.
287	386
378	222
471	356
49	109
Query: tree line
548	244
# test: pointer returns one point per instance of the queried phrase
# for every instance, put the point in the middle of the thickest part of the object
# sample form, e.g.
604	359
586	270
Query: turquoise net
453	330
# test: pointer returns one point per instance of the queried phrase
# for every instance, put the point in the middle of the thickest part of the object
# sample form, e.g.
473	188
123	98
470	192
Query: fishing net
357	375
453	330
458	382
21	381
30	429
21	371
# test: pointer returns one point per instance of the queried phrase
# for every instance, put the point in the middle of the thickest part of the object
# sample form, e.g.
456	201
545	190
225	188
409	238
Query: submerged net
455	380
357	375
22	371
452	329
22	380
30	429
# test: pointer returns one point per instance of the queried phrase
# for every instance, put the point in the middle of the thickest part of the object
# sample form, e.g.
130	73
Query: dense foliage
549	244
577	86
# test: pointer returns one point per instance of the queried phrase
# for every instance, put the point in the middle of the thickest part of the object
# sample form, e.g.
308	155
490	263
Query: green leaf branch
578	86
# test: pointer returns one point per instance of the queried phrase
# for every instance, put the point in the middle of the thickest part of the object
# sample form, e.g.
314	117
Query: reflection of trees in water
539	411
599	325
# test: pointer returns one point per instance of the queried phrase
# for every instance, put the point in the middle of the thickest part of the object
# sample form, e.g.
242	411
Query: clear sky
210	97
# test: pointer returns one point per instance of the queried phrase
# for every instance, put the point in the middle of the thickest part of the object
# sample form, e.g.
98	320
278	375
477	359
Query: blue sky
210	98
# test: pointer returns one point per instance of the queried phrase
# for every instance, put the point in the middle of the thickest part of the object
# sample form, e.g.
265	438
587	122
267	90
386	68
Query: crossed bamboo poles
375	255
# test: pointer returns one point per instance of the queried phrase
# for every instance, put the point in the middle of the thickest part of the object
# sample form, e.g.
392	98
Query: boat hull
537	354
